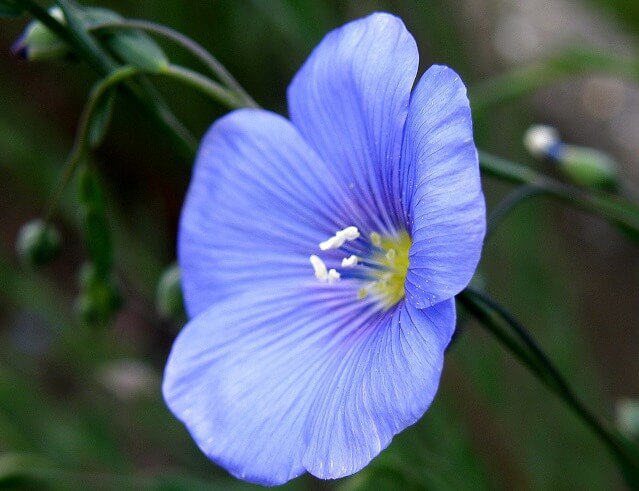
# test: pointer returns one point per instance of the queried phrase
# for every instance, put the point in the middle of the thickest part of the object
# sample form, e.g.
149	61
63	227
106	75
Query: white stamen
376	239
341	236
349	262
333	276
319	268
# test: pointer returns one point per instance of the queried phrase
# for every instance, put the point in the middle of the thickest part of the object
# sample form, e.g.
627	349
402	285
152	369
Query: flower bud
39	43
582	165
37	243
588	167
99	297
168	299
628	417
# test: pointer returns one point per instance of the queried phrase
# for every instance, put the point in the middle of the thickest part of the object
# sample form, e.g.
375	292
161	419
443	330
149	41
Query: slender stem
615	209
481	306
79	145
503	209
120	75
204	84
99	61
83	40
196	49
485	316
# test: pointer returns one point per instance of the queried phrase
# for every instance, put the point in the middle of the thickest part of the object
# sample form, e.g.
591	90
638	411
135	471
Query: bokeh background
81	408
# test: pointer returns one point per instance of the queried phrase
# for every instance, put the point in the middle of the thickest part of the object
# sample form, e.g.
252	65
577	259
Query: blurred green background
81	408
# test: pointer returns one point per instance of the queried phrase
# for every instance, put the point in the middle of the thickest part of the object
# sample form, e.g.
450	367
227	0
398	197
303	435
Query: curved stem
482	307
79	145
196	49
203	84
509	203
120	75
616	209
99	61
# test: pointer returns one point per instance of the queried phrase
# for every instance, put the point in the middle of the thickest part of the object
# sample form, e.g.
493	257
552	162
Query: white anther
349	262
333	276
341	236
376	239
321	273
539	139
332	243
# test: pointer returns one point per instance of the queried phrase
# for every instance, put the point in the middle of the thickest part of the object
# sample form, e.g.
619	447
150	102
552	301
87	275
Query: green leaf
101	118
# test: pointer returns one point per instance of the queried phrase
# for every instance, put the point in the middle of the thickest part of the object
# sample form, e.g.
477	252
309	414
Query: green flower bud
131	47
39	43
588	167
628	417
37	243
584	166
168	299
99	297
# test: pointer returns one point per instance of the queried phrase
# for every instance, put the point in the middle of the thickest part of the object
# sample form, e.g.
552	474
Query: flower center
379	263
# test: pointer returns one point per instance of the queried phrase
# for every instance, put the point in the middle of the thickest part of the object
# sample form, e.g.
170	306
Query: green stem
483	308
615	209
120	75
196	49
80	143
101	63
212	89
80	38
503	209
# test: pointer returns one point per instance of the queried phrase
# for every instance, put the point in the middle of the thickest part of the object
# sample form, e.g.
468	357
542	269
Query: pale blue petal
349	101
378	383
259	203
442	189
273	383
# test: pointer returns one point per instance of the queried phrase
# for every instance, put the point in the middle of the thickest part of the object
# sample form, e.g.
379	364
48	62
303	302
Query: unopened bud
39	43
588	167
38	243
628	417
99	297
582	165
168	300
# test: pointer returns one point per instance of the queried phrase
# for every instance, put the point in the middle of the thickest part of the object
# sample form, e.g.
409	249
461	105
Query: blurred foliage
63	425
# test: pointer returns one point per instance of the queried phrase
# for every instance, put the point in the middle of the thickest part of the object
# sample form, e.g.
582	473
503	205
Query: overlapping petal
441	189
259	203
349	101
271	384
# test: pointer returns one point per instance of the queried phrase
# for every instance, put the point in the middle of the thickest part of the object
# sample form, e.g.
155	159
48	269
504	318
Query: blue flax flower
320	258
